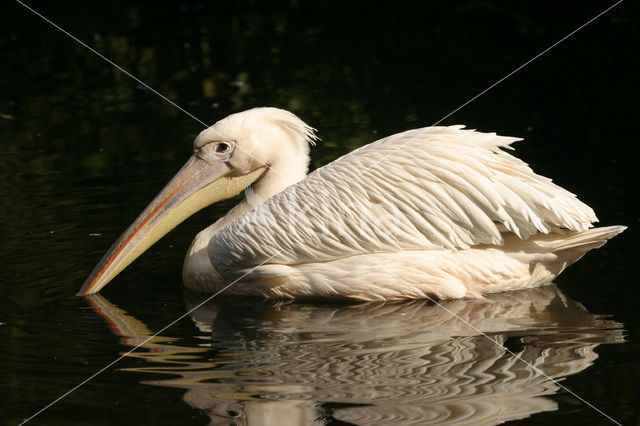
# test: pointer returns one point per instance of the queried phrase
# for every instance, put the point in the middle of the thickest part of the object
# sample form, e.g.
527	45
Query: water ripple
374	363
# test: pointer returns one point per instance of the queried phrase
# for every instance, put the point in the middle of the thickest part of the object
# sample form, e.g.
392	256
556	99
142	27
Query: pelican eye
222	147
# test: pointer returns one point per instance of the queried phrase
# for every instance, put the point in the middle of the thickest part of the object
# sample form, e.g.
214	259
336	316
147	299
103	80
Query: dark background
83	147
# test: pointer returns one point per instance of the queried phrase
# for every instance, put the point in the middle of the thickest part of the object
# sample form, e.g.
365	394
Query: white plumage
438	212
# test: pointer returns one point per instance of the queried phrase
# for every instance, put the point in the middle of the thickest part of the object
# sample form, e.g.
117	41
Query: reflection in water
273	363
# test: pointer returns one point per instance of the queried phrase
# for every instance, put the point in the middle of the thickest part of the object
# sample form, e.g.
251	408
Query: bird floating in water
437	212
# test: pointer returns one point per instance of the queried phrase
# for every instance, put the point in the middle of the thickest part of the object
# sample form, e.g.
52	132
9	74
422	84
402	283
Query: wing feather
434	188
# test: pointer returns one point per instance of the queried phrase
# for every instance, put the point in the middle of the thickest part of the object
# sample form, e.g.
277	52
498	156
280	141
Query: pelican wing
433	188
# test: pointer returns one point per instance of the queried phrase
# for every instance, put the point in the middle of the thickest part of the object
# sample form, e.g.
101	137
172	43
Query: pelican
437	212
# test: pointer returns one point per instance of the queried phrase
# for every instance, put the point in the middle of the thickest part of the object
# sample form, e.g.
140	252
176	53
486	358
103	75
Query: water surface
274	363
83	149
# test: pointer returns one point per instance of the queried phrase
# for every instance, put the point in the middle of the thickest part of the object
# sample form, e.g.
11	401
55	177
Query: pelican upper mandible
437	212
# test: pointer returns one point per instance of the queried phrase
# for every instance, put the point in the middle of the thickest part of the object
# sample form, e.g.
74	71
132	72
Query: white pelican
438	212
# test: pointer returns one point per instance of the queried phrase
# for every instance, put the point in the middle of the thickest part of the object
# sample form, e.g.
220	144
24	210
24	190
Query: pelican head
264	147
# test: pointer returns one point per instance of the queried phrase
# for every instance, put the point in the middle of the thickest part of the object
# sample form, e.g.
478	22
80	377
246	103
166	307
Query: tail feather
589	239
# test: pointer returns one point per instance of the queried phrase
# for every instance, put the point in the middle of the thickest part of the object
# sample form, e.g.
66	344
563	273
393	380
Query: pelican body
437	212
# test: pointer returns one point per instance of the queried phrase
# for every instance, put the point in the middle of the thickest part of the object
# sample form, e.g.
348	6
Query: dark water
83	148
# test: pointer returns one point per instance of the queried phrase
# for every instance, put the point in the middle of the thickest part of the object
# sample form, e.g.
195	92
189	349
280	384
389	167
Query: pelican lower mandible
437	212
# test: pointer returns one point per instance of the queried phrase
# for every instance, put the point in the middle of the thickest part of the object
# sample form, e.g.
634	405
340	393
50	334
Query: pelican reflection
274	363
